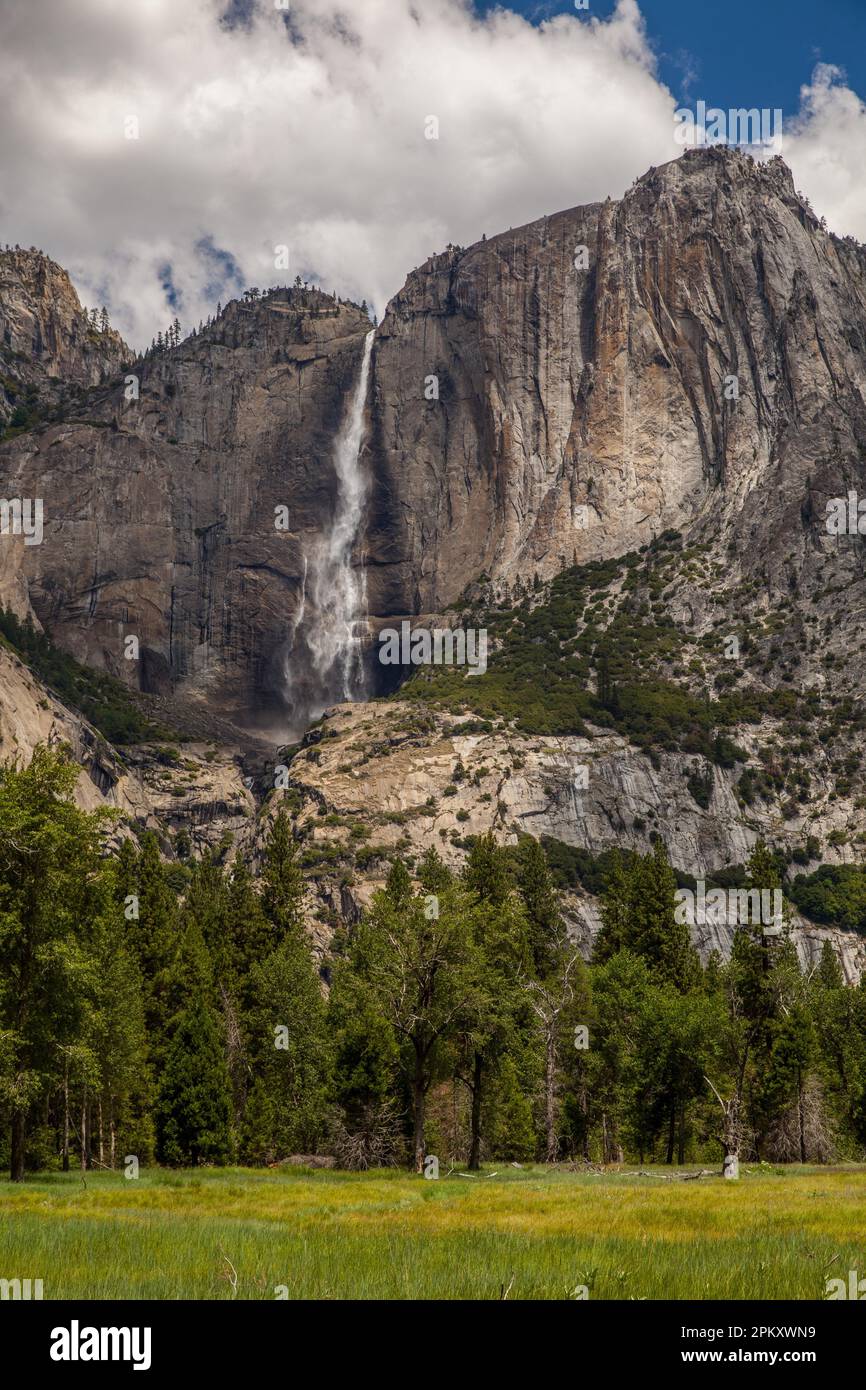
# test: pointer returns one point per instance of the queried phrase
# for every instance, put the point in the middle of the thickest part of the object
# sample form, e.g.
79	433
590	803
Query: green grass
387	1235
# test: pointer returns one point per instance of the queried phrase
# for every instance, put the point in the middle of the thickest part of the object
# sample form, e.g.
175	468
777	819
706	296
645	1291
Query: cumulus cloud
307	128
826	149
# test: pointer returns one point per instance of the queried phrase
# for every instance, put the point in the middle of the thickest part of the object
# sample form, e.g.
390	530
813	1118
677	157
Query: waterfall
338	624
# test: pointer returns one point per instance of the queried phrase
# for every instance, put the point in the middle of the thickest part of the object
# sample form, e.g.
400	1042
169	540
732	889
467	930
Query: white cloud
313	136
826	149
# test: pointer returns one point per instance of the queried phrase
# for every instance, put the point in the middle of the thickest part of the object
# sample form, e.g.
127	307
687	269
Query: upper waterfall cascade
337	584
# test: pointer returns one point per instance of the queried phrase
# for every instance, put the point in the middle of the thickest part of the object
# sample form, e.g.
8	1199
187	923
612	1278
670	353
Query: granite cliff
582	411
51	351
160	497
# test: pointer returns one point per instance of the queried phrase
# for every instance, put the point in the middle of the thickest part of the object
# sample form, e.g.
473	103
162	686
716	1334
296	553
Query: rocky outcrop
586	366
30	715
197	788
437	773
50	350
161	509
394	778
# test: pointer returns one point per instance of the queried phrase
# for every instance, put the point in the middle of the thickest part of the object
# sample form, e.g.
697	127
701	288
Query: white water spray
339	596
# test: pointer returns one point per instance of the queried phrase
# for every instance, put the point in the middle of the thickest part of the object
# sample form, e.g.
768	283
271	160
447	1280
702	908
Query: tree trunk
681	1136
66	1116
475	1148
112	1131
731	1135
84	1130
99	1132
583	1102
550	1096
802	1117
419	1096
16	1165
672	1131
238	1072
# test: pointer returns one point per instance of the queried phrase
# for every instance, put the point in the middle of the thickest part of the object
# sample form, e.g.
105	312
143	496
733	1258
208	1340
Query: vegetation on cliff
100	697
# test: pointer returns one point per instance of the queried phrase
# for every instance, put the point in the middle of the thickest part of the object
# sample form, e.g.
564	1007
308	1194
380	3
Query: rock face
161	511
29	715
692	356
203	791
47	341
409	778
582	411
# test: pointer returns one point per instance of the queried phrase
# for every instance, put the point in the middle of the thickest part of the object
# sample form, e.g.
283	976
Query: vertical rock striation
583	411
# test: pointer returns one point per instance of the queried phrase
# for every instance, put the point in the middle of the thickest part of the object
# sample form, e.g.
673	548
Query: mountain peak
48	343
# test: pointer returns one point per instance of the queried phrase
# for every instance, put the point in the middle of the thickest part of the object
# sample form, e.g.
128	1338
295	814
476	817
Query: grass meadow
532	1233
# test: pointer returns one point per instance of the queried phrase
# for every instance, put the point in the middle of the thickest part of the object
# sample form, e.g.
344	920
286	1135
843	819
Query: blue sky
741	52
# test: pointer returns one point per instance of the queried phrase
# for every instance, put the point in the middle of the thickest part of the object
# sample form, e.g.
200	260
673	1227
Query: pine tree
433	875
283	891
792	1058
620	988
671	1054
639	915
251	933
154	936
243	939
661	940
207	904
512	1132
118	1038
500	935
420	972
542	908
126	871
487	874
366	1059
761	980
52	895
290	1052
619	907
398	885
829	974
194	1104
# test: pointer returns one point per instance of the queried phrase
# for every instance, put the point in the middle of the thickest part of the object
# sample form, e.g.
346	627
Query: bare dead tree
802	1133
731	1136
547	1003
373	1140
